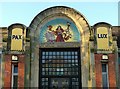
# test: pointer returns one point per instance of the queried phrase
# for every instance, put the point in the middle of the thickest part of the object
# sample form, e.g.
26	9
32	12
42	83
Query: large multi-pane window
105	76
60	64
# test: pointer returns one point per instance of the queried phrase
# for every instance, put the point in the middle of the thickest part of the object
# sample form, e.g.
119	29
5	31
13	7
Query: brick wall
21	71
98	70
8	71
111	70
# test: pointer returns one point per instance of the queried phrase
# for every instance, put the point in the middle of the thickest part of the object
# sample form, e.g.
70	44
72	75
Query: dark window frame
60	52
14	74
105	76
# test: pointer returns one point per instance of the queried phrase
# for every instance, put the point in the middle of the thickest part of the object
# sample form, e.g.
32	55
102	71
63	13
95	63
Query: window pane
104	68
76	57
43	57
69	53
43	61
72	53
72	57
15	82
43	53
50	57
50	53
76	53
61	53
58	53
65	57
104	76
104	79
46	57
54	53
15	68
65	53
46	53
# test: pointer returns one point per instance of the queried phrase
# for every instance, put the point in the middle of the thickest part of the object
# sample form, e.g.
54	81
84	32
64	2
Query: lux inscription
102	35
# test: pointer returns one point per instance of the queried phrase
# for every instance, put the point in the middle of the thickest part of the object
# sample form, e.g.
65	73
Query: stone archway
34	30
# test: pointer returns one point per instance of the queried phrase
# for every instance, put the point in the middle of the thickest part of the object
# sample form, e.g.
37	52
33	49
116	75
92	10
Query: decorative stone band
104	51
15	52
59	44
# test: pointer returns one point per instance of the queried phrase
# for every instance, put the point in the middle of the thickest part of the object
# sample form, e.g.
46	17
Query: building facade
60	50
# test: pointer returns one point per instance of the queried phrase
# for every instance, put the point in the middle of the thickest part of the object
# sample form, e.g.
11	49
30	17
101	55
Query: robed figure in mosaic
59	33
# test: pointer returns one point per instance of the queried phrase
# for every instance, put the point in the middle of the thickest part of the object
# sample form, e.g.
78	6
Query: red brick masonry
8	71
21	71
111	70
98	70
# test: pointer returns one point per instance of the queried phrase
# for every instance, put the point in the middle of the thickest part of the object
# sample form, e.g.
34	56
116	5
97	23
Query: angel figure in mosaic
50	35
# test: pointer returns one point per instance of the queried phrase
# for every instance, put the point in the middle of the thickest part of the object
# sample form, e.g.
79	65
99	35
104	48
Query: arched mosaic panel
39	27
59	30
